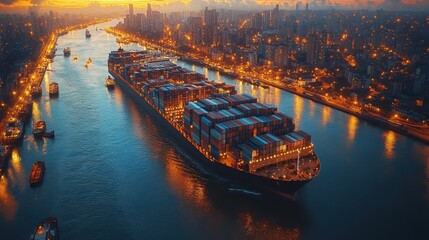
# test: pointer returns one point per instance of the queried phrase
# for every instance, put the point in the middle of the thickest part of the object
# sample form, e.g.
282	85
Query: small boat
50	134
39	128
110	82
67	52
75	57
37	171
53	89
47	229
36	91
85	66
87	33
89	60
41	125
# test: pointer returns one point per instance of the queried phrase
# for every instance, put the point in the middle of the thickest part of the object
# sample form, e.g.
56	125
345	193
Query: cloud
7	2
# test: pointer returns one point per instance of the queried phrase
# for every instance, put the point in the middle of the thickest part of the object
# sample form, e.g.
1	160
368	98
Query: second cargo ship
250	143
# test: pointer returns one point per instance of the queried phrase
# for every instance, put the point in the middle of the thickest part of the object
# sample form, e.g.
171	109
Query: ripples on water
112	173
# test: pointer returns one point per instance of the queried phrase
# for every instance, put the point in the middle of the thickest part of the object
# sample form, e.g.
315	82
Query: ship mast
297	163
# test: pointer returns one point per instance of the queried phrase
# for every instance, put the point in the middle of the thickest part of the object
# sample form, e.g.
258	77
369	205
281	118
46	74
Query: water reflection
36	111
352	128
240	87
326	115
206	70
426	154
257	218
182	182
276	96
218	77
389	144
312	108
299	104
8	205
262	229
15	174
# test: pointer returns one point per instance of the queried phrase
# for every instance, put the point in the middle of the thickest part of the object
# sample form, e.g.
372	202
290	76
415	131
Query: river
112	173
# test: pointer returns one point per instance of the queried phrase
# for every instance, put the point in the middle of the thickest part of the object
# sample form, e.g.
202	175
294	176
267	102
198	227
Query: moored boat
37	172
36	91
47	229
14	132
53	89
110	82
67	52
39	128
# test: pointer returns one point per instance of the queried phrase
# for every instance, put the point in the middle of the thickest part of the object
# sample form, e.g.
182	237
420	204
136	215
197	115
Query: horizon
22	6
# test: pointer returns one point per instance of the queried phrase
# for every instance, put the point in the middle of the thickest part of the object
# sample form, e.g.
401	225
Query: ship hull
242	178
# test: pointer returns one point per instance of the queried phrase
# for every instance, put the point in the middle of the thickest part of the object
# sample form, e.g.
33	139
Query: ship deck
309	167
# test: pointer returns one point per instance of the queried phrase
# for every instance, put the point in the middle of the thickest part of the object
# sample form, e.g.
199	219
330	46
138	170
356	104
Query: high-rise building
131	16
315	49
210	33
131	10
195	27
280	56
149	10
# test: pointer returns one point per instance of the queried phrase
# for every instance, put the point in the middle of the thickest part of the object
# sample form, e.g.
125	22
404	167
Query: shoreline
23	94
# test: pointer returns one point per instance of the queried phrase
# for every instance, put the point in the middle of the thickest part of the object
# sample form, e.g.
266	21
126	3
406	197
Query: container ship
248	142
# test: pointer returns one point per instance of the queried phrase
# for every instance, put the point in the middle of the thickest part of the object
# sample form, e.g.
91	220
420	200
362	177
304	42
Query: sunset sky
421	5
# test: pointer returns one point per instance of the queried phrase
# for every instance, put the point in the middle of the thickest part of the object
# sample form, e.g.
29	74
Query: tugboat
53	89
37	171
14	132
110	82
87	33
67	52
39	128
47	229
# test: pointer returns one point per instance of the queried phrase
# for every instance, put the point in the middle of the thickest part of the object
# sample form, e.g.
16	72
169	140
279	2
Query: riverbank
19	110
420	134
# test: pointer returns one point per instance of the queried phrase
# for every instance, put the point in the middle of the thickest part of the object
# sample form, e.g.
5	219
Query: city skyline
268	122
172	5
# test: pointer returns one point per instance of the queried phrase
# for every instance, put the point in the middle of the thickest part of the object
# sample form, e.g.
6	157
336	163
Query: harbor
112	165
419	132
